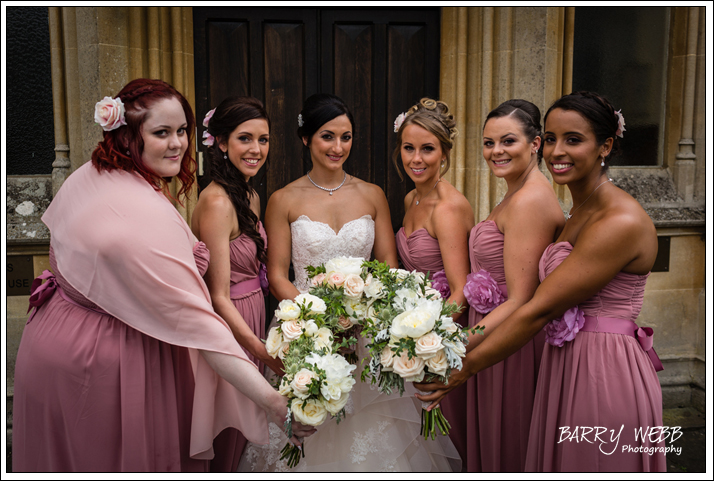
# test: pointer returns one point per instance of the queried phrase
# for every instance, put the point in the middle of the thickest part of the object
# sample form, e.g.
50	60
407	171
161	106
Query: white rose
418	321
355	308
334	406
330	390
374	290
438	363
346	383
387	359
447	324
401	273
310	328
301	383
274	342
287	310
283	349
412	370
345	265
318	305
292	329
313	414
428	345
323	339
354	285
284	388
431	292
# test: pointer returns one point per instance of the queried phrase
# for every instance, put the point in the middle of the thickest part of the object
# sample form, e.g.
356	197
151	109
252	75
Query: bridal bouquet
317	380
412	336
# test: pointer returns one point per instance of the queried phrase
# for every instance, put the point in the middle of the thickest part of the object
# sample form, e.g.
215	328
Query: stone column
489	55
685	165
98	50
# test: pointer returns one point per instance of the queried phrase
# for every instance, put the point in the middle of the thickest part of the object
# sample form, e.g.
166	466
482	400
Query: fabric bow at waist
239	289
644	335
41	293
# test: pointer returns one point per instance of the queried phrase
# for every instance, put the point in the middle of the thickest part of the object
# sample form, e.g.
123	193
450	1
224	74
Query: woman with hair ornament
598	368
226	219
123	364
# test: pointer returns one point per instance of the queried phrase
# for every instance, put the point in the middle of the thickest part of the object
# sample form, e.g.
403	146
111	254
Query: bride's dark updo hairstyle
434	117
598	112
122	148
527	114
317	110
229	114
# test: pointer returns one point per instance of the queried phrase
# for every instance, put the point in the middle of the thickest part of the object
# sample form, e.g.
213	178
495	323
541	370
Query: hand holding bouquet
317	380
412	336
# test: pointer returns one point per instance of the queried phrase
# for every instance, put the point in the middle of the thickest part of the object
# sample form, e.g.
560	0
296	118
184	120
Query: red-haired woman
124	365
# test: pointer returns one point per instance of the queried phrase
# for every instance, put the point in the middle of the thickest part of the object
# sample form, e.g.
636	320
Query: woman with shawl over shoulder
435	232
226	219
123	364
598	367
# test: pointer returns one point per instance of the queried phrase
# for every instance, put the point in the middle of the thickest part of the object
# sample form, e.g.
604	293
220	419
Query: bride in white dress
322	215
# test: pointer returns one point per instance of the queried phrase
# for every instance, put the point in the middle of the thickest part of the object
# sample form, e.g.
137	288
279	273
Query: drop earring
225	156
602	164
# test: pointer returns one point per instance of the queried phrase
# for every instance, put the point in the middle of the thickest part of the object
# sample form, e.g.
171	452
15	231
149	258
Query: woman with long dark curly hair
124	365
226	219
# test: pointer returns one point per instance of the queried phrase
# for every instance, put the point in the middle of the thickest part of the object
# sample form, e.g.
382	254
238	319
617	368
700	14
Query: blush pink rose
319	279
336	279
441	284
412	370
109	113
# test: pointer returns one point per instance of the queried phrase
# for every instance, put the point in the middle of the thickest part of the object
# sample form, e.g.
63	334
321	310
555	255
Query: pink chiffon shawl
122	245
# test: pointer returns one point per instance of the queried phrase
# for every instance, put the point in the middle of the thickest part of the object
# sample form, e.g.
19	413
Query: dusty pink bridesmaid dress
421	252
247	297
599	379
500	398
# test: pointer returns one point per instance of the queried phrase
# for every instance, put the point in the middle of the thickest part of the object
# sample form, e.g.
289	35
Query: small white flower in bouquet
317	380
412	337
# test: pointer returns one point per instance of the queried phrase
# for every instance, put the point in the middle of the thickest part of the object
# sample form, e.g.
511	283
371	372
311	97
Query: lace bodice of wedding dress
314	243
380	432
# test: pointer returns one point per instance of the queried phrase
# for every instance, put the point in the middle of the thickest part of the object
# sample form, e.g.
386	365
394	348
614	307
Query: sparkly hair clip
300	122
620	123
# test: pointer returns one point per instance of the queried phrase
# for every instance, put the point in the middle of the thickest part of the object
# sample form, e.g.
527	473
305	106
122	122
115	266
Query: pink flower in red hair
109	113
482	292
559	331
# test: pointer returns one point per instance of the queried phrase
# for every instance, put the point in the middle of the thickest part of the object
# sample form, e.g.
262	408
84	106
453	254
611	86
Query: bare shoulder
214	199
453	208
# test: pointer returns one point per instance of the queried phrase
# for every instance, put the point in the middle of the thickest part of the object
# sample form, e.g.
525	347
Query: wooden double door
379	61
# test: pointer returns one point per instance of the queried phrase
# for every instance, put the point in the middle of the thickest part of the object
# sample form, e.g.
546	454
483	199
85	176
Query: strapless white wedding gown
380	432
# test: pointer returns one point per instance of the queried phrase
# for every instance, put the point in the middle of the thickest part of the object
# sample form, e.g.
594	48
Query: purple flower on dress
482	292
263	277
441	284
564	329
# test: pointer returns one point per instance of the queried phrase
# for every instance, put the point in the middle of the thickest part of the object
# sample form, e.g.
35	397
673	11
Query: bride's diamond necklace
325	188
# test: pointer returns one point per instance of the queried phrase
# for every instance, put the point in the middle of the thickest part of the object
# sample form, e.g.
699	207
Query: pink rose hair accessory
399	121
208	116
620	123
208	139
441	284
482	292
559	331
109	113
